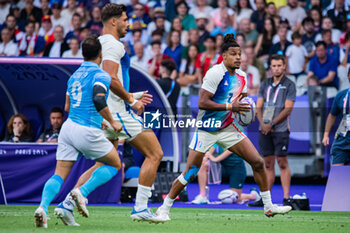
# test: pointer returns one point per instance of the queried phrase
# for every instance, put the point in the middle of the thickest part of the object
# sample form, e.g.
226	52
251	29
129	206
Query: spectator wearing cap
158	21
11	25
68	13
215	19
140	59
257	18
294	13
308	39
251	36
31	13
7	47
201	7
327	24
187	20
225	27
174	49
283	23
30	44
338	14
323	67
4	10
74	51
56	48
202	22
280	47
76	28
95	24
46	29
57	19
158	57
45	7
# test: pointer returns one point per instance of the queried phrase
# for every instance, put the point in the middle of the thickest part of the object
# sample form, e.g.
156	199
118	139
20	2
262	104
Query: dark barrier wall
34	85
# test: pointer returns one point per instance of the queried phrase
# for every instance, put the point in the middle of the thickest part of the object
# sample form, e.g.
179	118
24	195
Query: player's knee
157	155
191	173
282	163
270	165
258	165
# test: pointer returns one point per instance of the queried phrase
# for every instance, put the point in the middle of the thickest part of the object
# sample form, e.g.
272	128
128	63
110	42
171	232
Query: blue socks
100	176
51	188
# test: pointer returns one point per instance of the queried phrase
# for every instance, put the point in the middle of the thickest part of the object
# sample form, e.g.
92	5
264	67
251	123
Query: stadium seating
2	127
33	115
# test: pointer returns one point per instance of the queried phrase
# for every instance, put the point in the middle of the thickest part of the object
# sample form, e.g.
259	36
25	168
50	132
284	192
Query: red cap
46	18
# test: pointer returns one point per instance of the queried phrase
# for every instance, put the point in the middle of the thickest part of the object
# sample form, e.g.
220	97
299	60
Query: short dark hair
212	38
30	22
158	42
296	35
158	31
180	3
91	48
321	43
324	32
112	10
229	41
56	109
76	15
168	64
307	20
278	57
347	36
136	30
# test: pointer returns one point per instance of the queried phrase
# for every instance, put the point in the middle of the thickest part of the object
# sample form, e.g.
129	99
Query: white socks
142	195
69	203
168	203
266	198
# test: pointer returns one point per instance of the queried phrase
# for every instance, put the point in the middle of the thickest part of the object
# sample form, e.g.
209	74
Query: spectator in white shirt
7	47
140	59
296	56
253	76
58	47
327	24
294	13
201	7
57	19
4	10
67	13
75	51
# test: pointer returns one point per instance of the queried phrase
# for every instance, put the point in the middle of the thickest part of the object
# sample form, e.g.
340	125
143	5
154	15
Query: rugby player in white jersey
224	85
116	62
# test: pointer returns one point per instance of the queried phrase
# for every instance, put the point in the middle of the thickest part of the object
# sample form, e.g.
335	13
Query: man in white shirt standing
294	13
57	19
67	13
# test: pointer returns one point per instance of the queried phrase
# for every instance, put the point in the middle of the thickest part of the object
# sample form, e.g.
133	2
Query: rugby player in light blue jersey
224	85
116	62
86	103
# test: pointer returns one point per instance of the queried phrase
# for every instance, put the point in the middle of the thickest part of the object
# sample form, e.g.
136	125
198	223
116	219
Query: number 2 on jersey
76	93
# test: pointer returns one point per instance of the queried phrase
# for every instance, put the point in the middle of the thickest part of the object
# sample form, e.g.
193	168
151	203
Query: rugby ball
228	196
248	117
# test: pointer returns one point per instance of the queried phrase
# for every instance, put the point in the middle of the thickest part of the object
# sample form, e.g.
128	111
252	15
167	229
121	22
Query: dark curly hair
229	41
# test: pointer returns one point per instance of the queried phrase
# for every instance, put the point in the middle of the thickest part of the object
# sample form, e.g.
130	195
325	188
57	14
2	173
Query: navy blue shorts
340	151
237	174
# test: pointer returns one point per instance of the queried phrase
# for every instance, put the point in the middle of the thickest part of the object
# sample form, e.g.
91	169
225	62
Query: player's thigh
203	140
66	151
111	159
147	143
194	158
63	168
229	136
246	150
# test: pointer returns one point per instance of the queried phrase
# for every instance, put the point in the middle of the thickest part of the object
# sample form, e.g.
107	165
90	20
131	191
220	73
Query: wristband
133	103
228	106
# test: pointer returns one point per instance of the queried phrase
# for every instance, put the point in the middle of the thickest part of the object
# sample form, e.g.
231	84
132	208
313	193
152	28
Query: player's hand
117	126
212	158
237	106
146	98
266	128
325	140
139	107
104	125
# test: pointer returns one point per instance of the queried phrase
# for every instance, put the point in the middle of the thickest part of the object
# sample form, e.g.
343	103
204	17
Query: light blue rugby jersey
80	90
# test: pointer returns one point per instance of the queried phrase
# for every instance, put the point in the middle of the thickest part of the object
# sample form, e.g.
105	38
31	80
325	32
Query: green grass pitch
117	219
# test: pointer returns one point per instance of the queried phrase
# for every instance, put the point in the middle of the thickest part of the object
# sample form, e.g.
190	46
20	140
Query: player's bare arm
67	104
329	124
288	107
